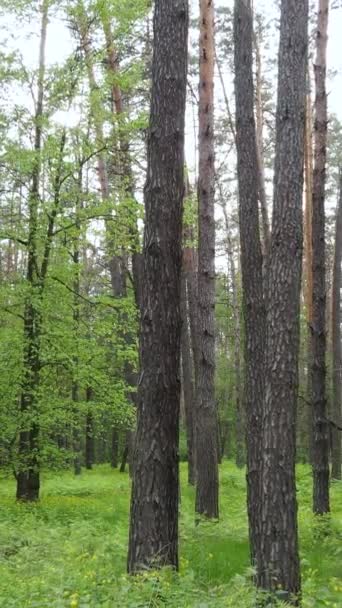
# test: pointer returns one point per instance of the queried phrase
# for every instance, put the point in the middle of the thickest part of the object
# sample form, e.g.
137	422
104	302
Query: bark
336	342
320	425
153	537
207	487
251	261
187	375
278	567
192	291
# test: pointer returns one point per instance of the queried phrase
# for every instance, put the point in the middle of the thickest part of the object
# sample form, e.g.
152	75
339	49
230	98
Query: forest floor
69	550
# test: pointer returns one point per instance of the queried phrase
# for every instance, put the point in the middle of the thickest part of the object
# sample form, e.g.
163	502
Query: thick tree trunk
207	487
187	375
153	538
28	479
320	438
336	342
251	260
278	565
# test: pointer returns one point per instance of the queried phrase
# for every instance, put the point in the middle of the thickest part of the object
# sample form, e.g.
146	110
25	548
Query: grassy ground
70	549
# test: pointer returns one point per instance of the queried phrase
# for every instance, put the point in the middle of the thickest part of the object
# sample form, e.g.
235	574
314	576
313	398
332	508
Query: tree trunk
115	448
207	487
260	153
304	429
90	439
336	342
187	375
251	260
239	401
278	567
153	538
76	431
320	438
127	180
28	478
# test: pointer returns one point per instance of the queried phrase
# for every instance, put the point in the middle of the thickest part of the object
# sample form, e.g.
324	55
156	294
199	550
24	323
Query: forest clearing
170	303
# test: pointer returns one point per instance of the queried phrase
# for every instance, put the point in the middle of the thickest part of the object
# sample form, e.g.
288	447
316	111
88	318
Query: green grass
70	549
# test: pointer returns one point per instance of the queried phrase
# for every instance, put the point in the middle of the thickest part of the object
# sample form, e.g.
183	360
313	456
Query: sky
59	43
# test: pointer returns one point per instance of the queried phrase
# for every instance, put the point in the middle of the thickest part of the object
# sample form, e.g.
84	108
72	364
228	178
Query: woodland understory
170	304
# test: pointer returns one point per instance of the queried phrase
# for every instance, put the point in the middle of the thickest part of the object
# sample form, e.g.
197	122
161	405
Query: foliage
69	550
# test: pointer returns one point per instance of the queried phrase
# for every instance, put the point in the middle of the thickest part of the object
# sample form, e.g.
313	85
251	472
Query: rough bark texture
320	425
153	537
278	567
207	486
336	343
251	259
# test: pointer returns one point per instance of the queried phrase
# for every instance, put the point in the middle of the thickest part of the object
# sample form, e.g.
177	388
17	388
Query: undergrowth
69	550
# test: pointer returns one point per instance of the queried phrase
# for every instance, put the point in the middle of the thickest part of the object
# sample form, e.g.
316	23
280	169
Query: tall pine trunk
336	342
320	424
153	537
251	260
305	423
278	565
206	433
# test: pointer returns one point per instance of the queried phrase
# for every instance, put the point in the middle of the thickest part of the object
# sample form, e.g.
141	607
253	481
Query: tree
278	566
28	475
251	259
336	340
153	537
206	415
305	428
320	438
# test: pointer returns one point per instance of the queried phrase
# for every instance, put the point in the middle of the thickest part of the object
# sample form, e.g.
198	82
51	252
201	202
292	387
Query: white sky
59	43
